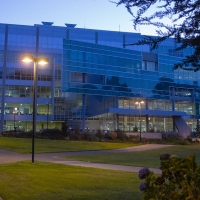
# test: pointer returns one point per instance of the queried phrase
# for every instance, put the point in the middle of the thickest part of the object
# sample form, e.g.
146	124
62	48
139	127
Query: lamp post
47	114
139	107
15	128
36	61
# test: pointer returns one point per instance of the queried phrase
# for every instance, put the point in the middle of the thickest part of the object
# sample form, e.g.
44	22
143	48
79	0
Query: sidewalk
10	157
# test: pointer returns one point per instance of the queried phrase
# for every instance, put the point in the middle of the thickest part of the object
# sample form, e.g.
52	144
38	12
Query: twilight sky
92	14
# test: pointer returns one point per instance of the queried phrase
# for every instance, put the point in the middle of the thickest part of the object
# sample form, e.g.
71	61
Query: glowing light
27	58
43	61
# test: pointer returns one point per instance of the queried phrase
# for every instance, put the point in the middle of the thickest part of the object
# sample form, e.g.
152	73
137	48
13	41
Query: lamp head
43	61
142	102
27	58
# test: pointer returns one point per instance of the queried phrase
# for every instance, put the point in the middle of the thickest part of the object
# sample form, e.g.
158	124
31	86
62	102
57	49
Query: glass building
94	80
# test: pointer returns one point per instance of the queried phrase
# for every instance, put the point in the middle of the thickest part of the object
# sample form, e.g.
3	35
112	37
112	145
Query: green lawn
45	181
23	145
142	159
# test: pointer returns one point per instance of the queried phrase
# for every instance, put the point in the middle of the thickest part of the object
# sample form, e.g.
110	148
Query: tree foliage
184	26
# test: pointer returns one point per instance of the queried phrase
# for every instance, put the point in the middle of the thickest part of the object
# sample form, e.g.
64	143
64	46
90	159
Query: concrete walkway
10	157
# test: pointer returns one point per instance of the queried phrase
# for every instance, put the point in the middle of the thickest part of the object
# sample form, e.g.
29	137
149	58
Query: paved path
10	157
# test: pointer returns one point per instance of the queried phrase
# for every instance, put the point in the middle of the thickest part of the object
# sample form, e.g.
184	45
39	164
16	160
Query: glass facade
102	70
127	76
95	78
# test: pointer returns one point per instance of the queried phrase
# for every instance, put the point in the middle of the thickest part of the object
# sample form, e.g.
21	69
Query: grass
23	145
40	181
148	158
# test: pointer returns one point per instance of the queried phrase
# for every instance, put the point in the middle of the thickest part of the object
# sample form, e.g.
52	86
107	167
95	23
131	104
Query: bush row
117	135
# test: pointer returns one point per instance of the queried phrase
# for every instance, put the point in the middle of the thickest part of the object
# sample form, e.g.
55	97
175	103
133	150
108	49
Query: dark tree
64	127
184	27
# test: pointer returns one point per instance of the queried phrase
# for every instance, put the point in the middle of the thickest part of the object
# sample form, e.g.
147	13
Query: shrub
183	142
112	135
134	138
135	129
174	138
180	179
18	133
64	128
89	137
100	134
152	130
196	134
28	134
54	134
10	133
75	135
121	135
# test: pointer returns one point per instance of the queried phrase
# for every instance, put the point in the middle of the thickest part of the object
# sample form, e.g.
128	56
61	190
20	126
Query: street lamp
47	114
139	107
15	128
36	61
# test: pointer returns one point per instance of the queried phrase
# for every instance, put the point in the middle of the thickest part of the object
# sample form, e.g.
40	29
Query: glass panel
126	103
121	103
151	66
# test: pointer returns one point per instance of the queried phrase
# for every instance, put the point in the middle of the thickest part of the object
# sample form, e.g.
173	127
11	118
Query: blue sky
92	14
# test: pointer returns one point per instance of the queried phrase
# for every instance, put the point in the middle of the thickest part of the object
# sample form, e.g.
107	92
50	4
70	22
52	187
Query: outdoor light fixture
41	61
47	103
15	128
36	61
139	108
27	58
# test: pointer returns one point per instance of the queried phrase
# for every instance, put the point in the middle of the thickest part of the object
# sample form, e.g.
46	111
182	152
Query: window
143	65
78	77
149	66
183	92
185	106
1	55
158	104
27	74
